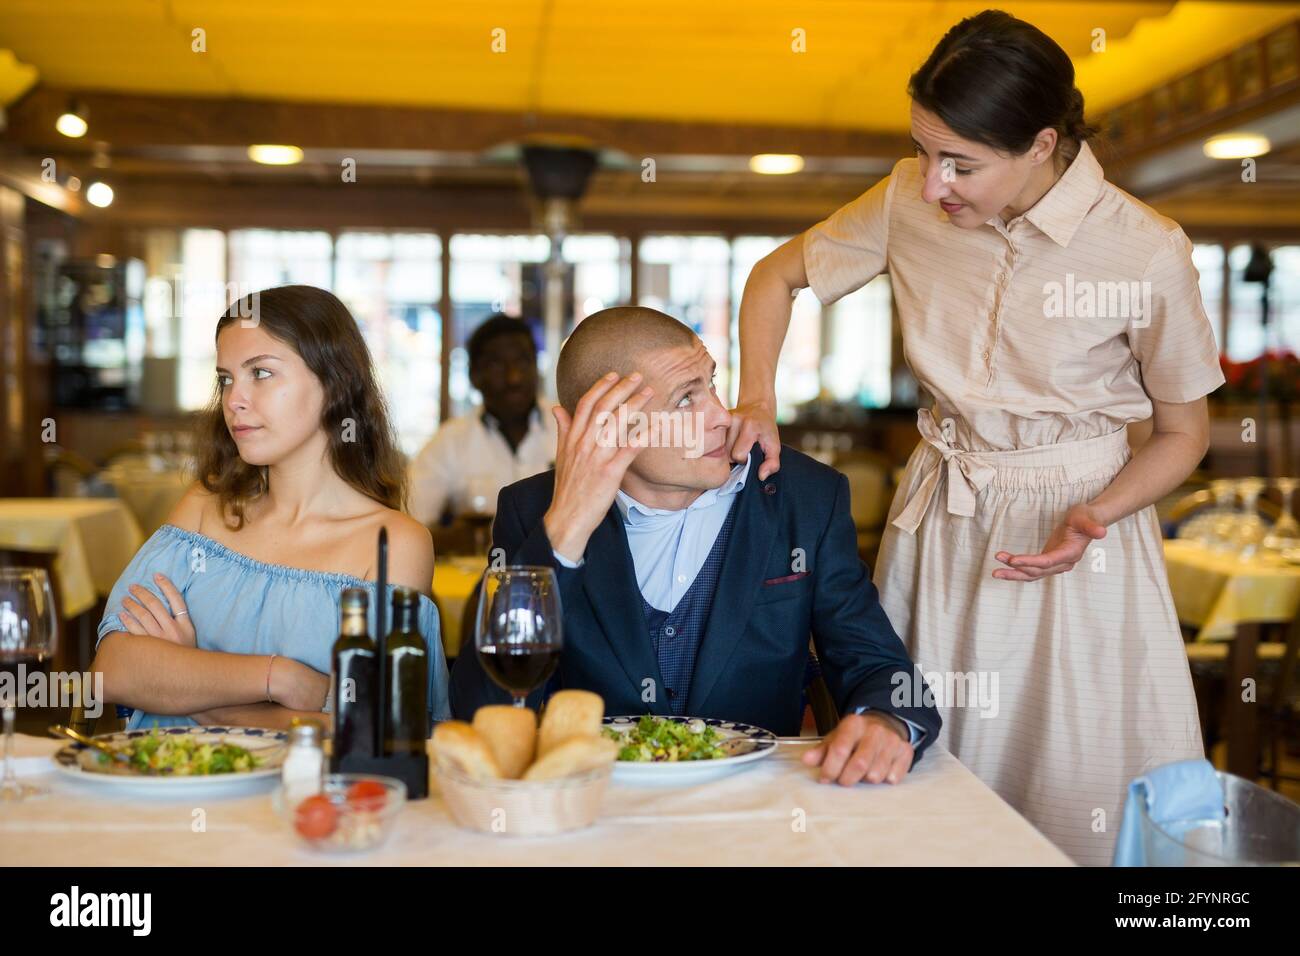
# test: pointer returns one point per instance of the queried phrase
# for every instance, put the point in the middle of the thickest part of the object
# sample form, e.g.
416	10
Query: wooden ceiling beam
131	121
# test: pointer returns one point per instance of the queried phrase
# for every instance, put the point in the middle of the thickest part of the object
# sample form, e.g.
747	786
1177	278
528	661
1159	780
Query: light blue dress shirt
669	547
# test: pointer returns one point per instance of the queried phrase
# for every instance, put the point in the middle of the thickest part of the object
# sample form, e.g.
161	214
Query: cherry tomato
316	817
367	795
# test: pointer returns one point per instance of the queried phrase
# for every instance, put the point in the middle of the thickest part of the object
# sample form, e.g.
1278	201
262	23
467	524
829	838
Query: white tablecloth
941	815
150	494
94	540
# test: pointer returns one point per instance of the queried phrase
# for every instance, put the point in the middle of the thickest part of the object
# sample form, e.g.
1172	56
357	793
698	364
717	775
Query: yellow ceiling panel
719	60
1159	50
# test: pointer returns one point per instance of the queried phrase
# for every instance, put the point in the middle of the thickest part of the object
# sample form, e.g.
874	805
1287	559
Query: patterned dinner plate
82	762
762	743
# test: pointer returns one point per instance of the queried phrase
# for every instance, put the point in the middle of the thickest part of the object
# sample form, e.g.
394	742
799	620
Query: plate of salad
684	750
179	759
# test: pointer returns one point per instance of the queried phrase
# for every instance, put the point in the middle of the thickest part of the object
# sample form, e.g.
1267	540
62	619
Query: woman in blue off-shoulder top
228	613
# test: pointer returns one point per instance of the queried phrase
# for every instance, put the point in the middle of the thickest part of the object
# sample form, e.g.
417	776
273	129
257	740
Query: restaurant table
453	582
92	539
1228	601
1214	592
149	493
774	813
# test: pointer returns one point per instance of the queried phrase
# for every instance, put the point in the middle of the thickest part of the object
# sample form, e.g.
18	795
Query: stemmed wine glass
1251	528
520	629
28	636
1222	520
1285	535
481	492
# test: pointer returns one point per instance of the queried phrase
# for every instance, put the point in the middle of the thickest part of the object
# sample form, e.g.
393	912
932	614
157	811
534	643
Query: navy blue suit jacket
770	597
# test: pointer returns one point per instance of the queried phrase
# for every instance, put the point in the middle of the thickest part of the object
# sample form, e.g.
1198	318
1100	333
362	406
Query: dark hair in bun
1000	81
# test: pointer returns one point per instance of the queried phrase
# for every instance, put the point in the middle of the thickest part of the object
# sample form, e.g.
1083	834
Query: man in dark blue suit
690	586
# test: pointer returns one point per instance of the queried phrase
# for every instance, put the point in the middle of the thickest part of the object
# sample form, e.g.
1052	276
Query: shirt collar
491	424
1060	212
635	513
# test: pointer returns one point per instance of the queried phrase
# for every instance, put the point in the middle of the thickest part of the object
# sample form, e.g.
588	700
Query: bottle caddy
380	723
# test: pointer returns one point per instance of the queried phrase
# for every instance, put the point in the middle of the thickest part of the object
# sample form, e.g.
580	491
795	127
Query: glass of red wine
520	630
28	636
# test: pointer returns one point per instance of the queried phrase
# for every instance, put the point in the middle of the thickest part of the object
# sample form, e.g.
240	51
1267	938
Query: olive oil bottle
355	679
406	677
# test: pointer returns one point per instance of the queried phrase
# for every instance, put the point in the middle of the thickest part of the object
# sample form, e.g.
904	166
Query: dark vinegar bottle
406	662
355	679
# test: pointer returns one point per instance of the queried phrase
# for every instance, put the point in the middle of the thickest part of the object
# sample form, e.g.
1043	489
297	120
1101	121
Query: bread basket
523	807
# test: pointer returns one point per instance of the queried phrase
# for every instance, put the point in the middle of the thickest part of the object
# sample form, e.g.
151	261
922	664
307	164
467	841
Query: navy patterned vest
676	637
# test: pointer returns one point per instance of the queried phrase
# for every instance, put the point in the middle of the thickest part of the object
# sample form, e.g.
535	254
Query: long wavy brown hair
362	446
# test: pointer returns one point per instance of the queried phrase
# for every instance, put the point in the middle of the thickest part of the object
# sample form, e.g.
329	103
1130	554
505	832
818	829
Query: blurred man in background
456	476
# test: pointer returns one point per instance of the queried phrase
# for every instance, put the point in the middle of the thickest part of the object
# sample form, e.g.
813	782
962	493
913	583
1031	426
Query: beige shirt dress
1039	340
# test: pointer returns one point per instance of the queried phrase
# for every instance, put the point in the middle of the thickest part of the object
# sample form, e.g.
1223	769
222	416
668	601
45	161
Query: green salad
183	755
655	739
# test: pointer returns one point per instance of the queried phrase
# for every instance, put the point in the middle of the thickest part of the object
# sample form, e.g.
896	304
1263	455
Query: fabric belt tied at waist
969	472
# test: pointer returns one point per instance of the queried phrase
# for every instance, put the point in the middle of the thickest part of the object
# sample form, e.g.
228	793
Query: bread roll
511	735
570	713
456	746
575	755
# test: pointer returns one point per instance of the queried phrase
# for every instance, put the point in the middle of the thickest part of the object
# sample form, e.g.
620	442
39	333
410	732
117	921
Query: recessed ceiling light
1236	146
776	164
72	123
269	154
99	194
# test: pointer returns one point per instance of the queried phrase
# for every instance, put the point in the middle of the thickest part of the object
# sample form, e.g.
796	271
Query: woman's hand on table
1065	548
144	613
297	686
873	746
755	422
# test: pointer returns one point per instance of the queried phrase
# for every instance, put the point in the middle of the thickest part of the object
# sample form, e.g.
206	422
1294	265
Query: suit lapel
738	582
610	583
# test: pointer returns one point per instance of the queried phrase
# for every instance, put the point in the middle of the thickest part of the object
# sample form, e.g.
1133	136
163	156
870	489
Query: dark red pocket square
785	580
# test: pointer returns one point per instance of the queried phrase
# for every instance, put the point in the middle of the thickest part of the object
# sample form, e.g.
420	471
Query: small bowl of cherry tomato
352	812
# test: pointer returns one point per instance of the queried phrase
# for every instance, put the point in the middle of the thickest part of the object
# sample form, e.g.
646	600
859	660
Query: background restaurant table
149	492
941	815
1232	604
454	579
1214	592
92	539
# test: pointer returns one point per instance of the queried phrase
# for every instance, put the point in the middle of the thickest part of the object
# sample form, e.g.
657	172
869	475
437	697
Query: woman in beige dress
1043	309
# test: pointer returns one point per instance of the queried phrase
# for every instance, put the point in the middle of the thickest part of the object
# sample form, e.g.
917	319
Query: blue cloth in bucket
1175	795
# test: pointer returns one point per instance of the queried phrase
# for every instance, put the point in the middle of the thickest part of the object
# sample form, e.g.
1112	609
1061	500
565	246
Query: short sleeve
1172	339
161	554
845	251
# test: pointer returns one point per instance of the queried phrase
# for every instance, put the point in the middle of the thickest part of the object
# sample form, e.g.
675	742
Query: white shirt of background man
468	457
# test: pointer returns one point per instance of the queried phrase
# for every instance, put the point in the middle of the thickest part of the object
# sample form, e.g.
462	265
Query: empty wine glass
481	499
28	636
1250	528
1285	535
520	628
1221	519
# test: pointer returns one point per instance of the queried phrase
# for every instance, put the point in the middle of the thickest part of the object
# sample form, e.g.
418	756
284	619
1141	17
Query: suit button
670	630
769	489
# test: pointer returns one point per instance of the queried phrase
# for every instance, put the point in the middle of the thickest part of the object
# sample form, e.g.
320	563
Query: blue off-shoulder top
243	606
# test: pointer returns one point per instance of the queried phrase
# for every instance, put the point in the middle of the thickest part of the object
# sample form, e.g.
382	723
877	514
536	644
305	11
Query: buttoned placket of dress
1002	283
